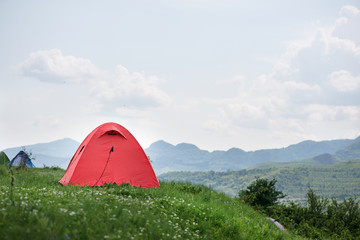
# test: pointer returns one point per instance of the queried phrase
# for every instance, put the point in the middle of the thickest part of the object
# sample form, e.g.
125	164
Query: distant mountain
325	159
318	161
166	157
56	153
351	152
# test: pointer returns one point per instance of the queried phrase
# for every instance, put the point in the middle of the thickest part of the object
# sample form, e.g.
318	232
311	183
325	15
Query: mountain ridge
348	153
191	158
188	157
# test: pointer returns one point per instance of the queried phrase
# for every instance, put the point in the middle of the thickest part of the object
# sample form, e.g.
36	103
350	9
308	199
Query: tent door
111	150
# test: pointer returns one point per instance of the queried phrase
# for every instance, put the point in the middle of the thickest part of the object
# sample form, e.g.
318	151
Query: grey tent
21	159
281	227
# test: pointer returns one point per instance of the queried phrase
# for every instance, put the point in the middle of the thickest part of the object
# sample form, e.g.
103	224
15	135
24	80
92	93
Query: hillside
187	157
41	208
349	153
339	180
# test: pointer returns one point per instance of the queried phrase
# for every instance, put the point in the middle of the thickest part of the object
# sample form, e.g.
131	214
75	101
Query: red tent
110	154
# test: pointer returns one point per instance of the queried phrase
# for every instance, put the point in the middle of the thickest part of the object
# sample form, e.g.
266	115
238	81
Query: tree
261	193
316	204
23	160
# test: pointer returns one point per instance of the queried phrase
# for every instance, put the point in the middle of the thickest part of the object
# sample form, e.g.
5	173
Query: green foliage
316	205
11	184
345	215
44	209
261	193
320	218
4	160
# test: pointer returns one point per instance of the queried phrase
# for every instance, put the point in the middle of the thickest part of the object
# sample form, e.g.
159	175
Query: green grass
44	209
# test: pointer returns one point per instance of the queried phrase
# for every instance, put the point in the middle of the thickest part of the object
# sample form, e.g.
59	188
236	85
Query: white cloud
318	114
299	86
349	10
50	121
343	81
129	112
329	49
298	97
347	26
53	66
214	125
313	86
107	90
130	89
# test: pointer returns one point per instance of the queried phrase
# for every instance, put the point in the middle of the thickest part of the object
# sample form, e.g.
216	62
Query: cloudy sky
215	73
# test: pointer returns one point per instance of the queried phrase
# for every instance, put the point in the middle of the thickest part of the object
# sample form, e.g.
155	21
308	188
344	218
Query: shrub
316	205
262	193
320	218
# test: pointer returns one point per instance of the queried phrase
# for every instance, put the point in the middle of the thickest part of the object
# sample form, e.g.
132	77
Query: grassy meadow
41	208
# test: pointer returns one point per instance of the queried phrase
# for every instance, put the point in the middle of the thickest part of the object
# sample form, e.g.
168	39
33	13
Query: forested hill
349	153
188	157
339	180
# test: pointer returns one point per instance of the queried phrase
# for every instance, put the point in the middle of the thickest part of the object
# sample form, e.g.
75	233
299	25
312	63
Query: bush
262	193
321	218
316	205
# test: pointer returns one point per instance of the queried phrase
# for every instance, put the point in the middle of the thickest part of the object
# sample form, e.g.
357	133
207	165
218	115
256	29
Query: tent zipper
111	150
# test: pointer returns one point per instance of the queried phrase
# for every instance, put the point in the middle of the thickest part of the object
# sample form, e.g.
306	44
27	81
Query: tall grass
44	209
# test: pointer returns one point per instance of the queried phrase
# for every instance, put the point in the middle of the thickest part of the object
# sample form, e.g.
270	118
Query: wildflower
63	210
35	212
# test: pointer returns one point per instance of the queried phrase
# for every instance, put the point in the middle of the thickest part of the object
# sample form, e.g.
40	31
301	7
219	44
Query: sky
214	73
